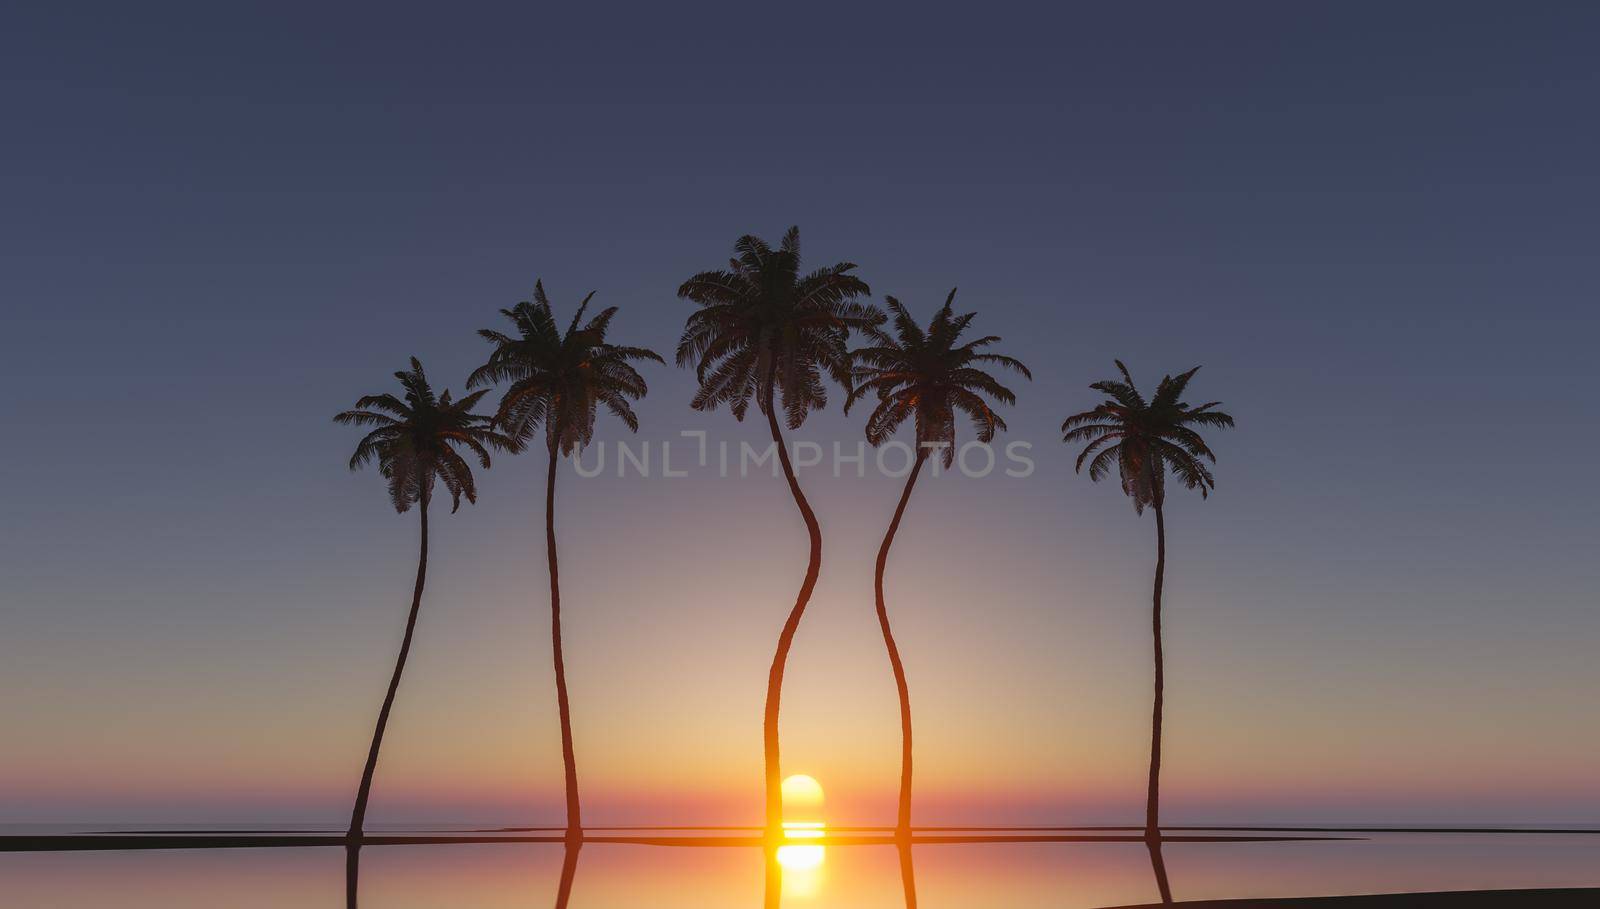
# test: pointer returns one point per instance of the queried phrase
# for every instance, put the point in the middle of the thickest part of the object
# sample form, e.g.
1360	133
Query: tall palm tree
927	376
1146	441
414	442
556	380
766	331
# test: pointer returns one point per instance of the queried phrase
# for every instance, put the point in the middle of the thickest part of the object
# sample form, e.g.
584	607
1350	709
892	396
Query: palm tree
765	331
925	375
414	442
1146	441
556	381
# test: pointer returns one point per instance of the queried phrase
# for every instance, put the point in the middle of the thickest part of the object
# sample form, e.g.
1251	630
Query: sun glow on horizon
802	820
802	798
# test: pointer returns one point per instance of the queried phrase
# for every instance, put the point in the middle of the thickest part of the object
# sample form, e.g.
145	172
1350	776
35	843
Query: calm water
1055	875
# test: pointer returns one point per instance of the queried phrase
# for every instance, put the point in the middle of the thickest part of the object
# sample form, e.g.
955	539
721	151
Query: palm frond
419	449
558	379
924	372
1146	440
763	332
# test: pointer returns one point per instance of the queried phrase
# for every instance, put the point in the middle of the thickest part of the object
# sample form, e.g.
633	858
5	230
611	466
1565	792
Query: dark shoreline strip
1566	898
122	842
847	828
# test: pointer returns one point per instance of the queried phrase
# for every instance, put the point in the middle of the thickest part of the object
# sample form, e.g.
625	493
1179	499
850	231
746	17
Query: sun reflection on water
800	856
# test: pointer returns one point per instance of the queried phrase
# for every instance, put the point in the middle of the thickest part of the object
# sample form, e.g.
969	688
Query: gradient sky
1373	224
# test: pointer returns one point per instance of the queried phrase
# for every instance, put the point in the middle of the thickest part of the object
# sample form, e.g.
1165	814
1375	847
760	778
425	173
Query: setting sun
802	798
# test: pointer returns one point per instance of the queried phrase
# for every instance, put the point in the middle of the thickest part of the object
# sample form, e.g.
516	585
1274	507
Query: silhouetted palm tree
556	382
926	376
765	331
1145	441
414	442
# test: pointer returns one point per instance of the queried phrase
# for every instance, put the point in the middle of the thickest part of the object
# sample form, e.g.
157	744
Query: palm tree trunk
574	817
769	727
903	818
1152	809
359	813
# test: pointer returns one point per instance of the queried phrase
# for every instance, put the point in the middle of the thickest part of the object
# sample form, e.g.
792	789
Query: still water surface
947	876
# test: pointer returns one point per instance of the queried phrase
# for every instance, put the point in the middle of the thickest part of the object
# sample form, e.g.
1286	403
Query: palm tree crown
558	379
1146	439
925	374
762	326
415	439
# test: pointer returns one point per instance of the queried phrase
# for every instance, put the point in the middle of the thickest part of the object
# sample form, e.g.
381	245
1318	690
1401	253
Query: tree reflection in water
352	874
1159	866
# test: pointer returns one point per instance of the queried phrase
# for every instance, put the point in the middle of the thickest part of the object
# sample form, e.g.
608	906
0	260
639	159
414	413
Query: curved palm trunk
903	818
574	817
769	727
359	813
1152	809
